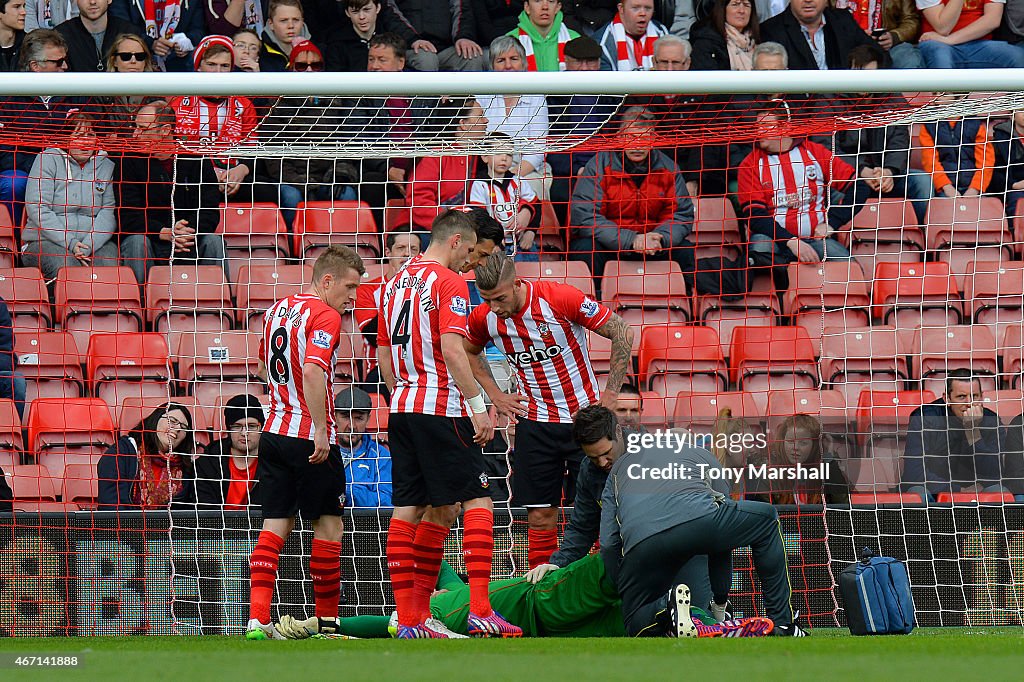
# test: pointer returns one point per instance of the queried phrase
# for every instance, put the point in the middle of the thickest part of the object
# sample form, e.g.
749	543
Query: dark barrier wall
134	573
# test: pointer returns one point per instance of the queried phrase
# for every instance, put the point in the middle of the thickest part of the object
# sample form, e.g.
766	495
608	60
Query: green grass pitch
927	654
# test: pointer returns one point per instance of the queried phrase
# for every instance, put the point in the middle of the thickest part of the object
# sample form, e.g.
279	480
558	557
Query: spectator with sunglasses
305	56
172	33
12	32
91	34
128	54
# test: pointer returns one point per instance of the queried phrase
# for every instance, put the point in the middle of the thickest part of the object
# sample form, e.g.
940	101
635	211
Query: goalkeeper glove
535	575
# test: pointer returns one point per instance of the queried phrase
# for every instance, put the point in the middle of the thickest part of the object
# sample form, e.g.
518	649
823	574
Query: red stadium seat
572	272
698	411
122	365
318	224
679	358
994	294
654	412
936	351
1011	349
377	425
12	444
100	299
885	498
886	231
770	358
827	294
396	214
910	295
882	418
716	231
33	483
853	360
206	360
260	286
600	351
1008	404
51	364
758	307
183	298
254	234
350	353
962	229
974	498
646	293
24	291
69	431
80	486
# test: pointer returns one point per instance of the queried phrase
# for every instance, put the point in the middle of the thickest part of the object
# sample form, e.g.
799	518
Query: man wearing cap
226	471
367	462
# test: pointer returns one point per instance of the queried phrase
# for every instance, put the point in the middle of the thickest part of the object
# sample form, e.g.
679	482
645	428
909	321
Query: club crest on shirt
484	481
589	307
544	329
322	339
813	173
460	306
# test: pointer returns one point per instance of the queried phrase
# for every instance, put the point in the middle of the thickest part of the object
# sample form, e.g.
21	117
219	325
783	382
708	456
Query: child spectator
69	203
957	154
226	471
247	50
799	442
507	199
285	24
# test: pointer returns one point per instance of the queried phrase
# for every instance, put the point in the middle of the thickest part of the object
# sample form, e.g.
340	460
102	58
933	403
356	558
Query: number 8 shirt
419	304
297	330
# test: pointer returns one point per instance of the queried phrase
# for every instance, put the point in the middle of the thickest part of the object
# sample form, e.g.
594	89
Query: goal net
826	289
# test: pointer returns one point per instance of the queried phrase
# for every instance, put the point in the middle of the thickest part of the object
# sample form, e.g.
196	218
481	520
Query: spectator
1008	176
48	13
543	35
347	48
726	40
631	205
12	32
166	202
12	382
770	56
799	442
91	34
150	468
957	154
285	24
627	42
174	32
367	462
629	407
70	205
128	54
506	197
958	35
895	24
589	17
953	443
442	35
815	35
440	182
226	17
1013	458
788	210
226	471
247	46
490	237
881	155
496	18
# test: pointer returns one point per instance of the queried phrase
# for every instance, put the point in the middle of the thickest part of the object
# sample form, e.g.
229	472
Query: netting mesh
139	248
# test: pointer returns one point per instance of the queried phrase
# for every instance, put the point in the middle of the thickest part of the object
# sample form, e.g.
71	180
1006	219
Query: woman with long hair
151	467
127	54
725	41
799	443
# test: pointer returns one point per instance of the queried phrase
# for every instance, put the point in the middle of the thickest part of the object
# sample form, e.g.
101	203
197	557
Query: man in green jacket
543	35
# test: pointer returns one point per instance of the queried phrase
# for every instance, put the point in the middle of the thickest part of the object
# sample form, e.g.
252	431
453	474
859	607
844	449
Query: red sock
263	574
427	550
543	544
402	567
325	567
477	550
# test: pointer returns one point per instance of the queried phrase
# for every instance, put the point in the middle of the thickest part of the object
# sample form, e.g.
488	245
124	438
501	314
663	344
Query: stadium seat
698	411
853	360
122	365
69	431
910	295
655	413
206	360
396	214
886	231
572	272
97	300
377	425
758	307
882	418
260	286
716	232
24	291
12	444
646	293
678	358
974	498
349	368
885	498
963	229
600	351
1011	350
830	293
1008	403
318	224
80	486
254	234
51	365
8	240
936	351
994	294
769	358
133	410
185	298
33	483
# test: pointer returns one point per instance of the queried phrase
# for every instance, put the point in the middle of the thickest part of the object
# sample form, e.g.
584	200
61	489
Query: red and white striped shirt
298	330
418	305
546	345
793	186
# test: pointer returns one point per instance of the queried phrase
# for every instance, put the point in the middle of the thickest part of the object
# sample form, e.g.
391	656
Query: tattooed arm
620	334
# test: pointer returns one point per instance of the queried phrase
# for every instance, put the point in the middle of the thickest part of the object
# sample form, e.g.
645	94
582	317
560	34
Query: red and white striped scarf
527	42
626	47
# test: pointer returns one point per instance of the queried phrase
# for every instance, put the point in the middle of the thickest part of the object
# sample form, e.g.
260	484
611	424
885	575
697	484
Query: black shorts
542	456
290	484
434	461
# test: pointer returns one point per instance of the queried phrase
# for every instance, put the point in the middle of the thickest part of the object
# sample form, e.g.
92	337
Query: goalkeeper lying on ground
575	601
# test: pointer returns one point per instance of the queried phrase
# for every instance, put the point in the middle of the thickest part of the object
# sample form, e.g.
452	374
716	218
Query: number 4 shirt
297	330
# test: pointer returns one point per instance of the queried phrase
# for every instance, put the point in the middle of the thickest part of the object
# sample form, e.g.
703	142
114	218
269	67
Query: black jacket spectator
1013	456
6	494
842	34
880	147
939	457
438	22
118	473
495	18
83	57
144	186
709	50
344	50
30	117
588	16
9	55
8	360
1009	159
213	476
